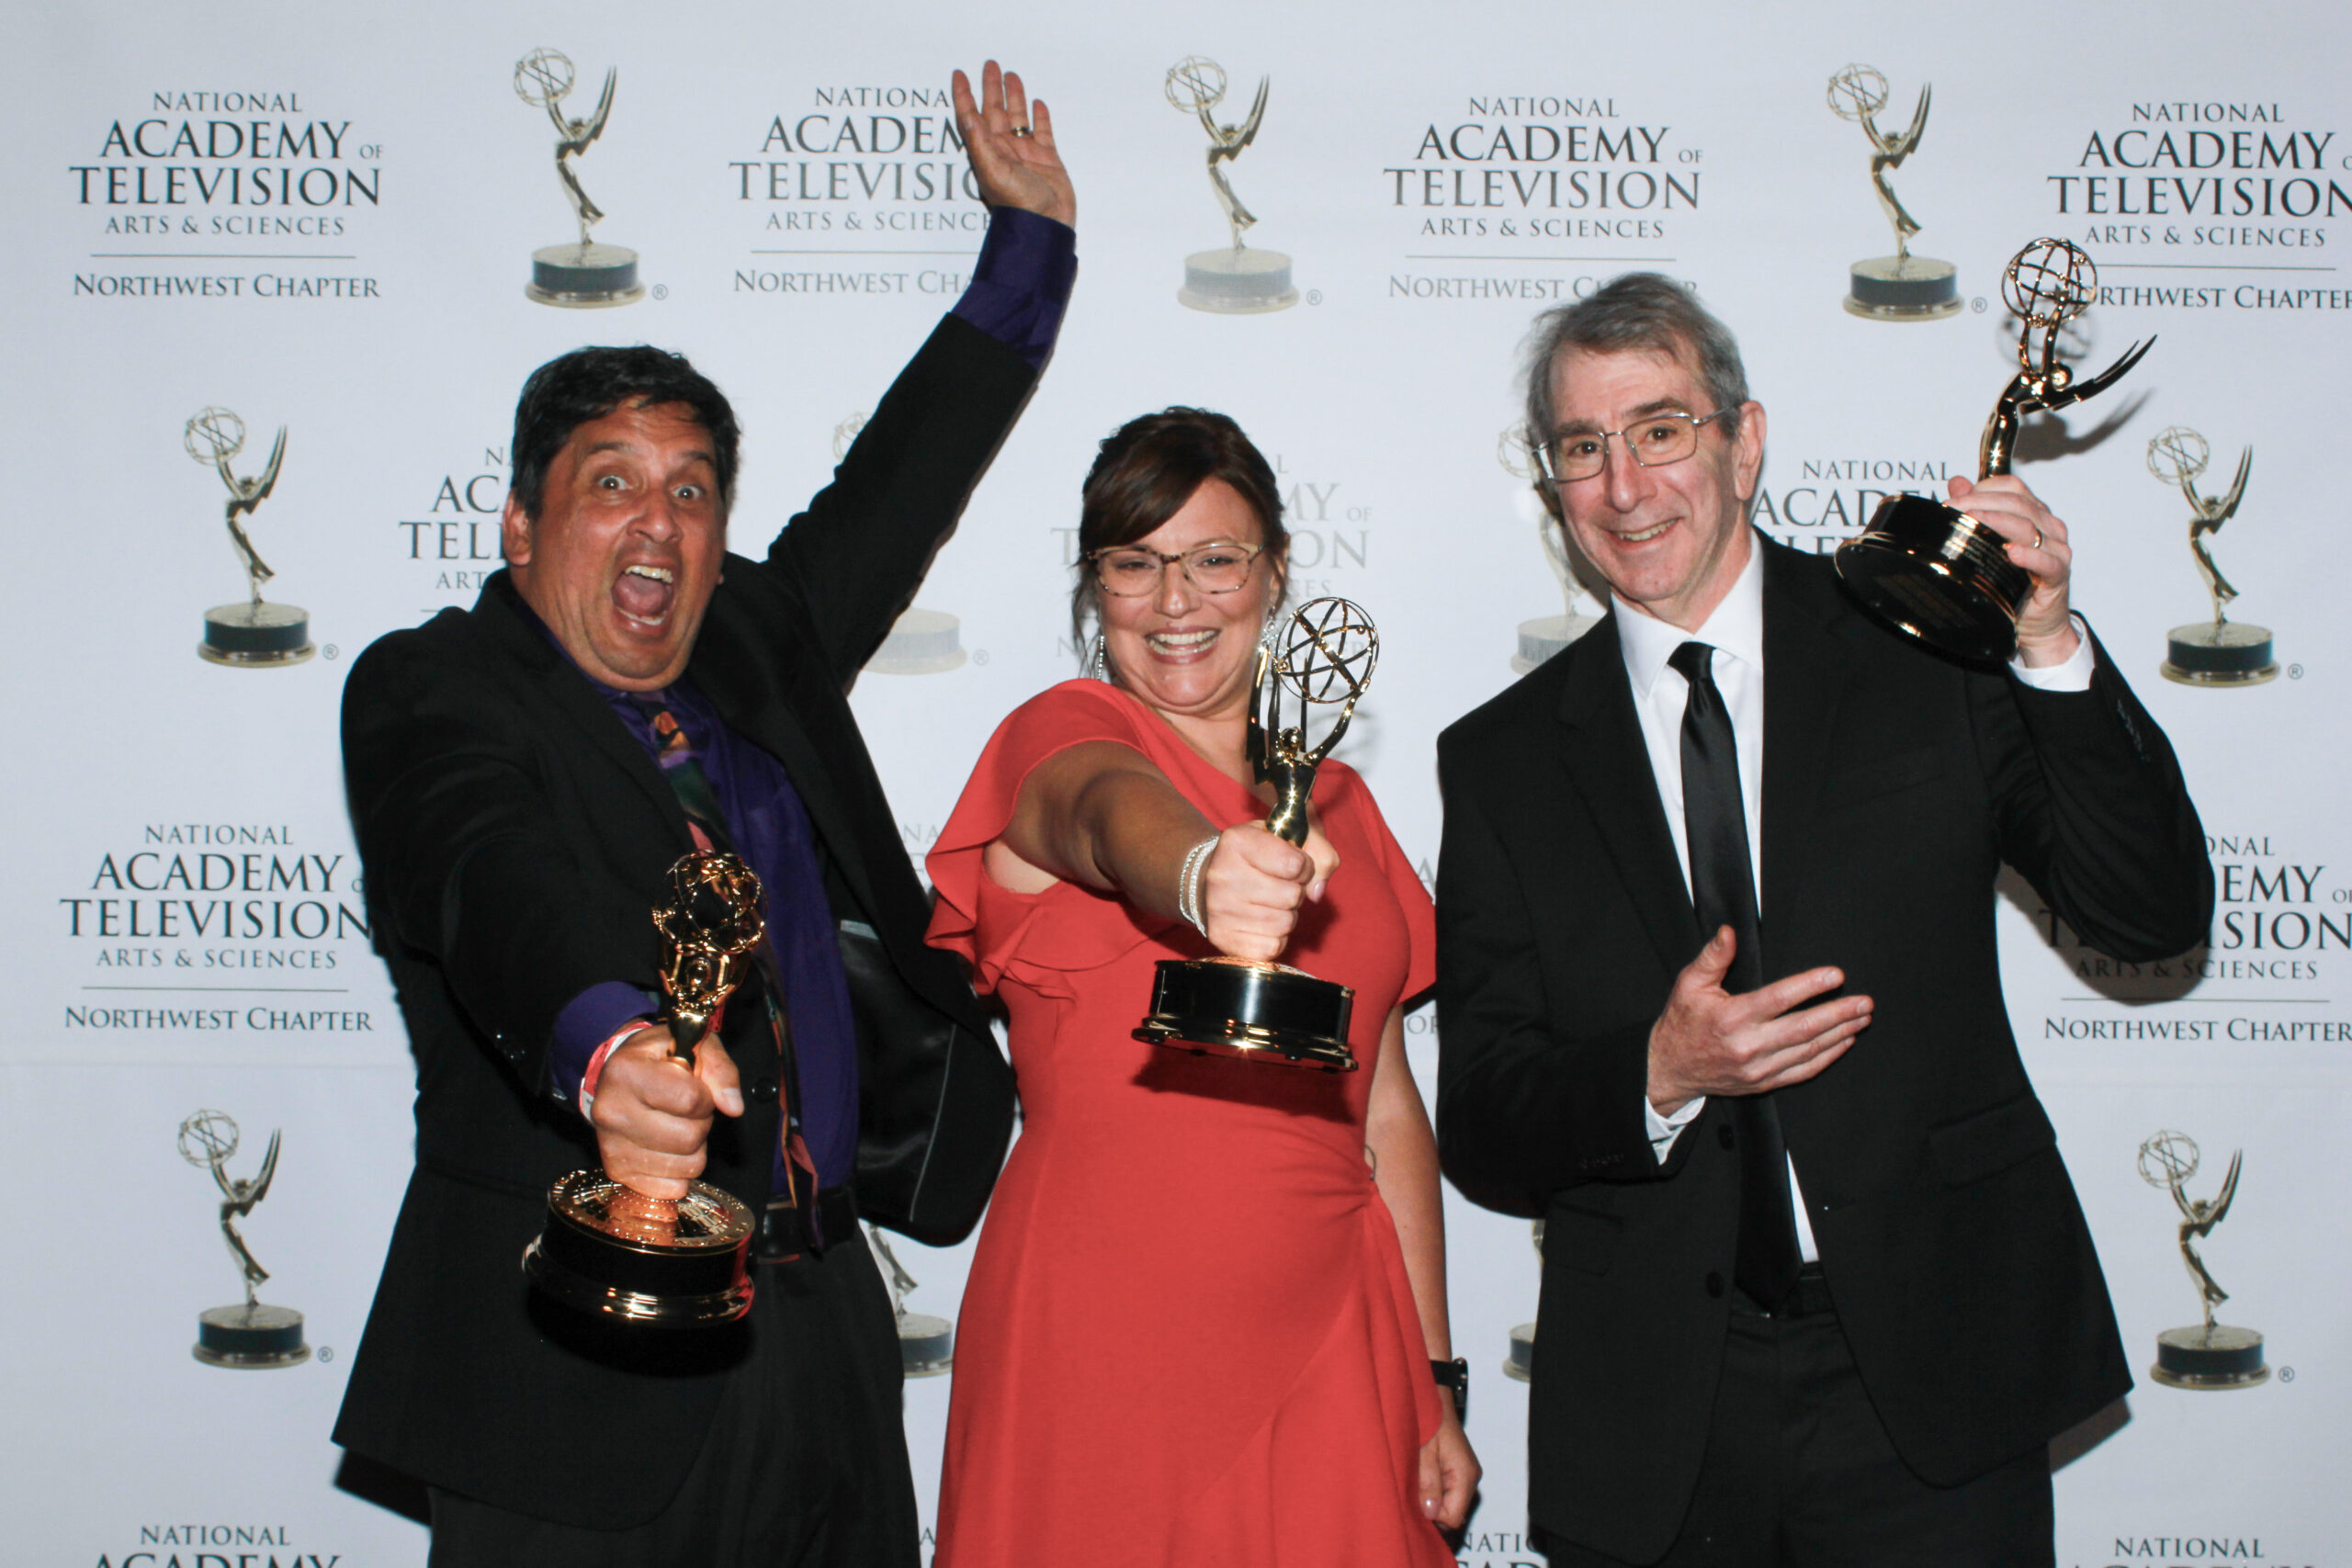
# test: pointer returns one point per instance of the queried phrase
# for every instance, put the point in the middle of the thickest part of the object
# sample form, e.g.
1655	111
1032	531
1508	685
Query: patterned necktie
682	766
1723	892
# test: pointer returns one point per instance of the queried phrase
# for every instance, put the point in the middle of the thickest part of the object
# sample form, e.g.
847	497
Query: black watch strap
1454	1378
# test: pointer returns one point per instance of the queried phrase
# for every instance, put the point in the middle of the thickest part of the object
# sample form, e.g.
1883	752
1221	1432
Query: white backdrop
777	167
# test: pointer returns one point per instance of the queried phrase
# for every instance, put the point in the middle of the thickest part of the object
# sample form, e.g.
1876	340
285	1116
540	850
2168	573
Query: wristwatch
1454	1378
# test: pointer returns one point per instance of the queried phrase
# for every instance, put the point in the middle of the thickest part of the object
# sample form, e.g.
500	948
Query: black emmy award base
1902	288
2215	1357
257	637
680	1270
250	1337
1268	1013
584	277
1934	571
2224	655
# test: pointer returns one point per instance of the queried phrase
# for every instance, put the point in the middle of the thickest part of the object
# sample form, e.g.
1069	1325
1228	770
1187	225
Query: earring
1098	660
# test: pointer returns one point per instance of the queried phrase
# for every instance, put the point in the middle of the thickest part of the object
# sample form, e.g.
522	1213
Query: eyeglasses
1654	440
1129	571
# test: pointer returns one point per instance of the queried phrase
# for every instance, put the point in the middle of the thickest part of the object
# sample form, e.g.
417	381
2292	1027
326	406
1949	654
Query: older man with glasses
1721	1000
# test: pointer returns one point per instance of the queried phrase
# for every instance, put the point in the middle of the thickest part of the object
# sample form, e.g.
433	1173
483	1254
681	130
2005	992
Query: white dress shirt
1736	630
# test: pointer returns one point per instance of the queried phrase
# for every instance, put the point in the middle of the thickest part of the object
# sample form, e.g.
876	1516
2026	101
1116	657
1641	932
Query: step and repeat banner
273	291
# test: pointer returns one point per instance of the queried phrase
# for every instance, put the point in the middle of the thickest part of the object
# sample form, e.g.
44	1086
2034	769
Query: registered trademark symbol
979	656
660	291
2294	672
332	651
2286	1374
1977	305
1315	296
326	1354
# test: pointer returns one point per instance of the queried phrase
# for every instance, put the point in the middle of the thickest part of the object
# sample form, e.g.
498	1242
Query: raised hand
2036	540
1010	139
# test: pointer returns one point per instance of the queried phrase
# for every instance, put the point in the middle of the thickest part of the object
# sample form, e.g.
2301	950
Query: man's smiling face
626	549
1671	539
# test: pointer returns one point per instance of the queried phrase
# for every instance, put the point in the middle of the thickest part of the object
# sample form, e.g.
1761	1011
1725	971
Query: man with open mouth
522	776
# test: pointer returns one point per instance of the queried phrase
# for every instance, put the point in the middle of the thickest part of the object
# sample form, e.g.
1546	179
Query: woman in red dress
1206	1312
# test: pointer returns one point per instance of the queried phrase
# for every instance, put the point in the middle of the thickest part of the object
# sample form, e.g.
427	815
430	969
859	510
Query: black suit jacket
517	839
1895	786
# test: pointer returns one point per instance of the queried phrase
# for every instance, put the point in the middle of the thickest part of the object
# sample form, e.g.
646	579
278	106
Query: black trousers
804	1464
1799	1474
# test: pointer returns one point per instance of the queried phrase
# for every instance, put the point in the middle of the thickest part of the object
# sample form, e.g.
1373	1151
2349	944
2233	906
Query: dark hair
1148	469
1640	312
589	383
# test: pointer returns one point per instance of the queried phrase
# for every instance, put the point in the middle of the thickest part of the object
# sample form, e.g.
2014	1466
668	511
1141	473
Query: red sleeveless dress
1188	1336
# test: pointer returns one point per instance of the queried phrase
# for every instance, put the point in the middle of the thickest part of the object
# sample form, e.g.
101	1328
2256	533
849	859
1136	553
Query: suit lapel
570	695
736	677
1609	764
1809	668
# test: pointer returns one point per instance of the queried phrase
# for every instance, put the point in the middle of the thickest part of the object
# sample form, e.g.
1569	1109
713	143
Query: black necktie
1723	892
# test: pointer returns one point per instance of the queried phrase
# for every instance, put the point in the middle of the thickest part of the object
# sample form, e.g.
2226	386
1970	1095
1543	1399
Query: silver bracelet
1188	884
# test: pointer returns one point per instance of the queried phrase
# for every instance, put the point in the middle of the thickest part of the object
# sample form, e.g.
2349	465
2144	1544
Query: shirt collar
1735	627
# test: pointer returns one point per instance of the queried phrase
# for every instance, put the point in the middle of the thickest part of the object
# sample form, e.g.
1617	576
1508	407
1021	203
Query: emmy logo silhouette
1239	281
1900	288
2225	652
1272	1013
921	642
926	1344
251	1335
2212	1355
255	634
584	276
1542	637
1931	570
1518	1363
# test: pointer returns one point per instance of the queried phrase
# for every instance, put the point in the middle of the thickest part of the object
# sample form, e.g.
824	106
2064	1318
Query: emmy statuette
926	1343
1900	288
2209	1355
1519	1362
607	1248
255	635
2224	652
585	276
921	642
1239	281
1272	1013
251	1335
1931	570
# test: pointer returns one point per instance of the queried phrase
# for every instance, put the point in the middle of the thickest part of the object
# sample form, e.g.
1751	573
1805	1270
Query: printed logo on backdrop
2219	652
249	1334
453	545
2272	970
1534	197
216	1546
1237	281
215	929
2209	206
921	642
1545	635
212	194
586	275
858	191
2150	1550
251	633
1334	537
1900	288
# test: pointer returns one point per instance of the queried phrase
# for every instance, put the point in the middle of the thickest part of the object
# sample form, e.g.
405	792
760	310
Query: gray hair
1641	312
